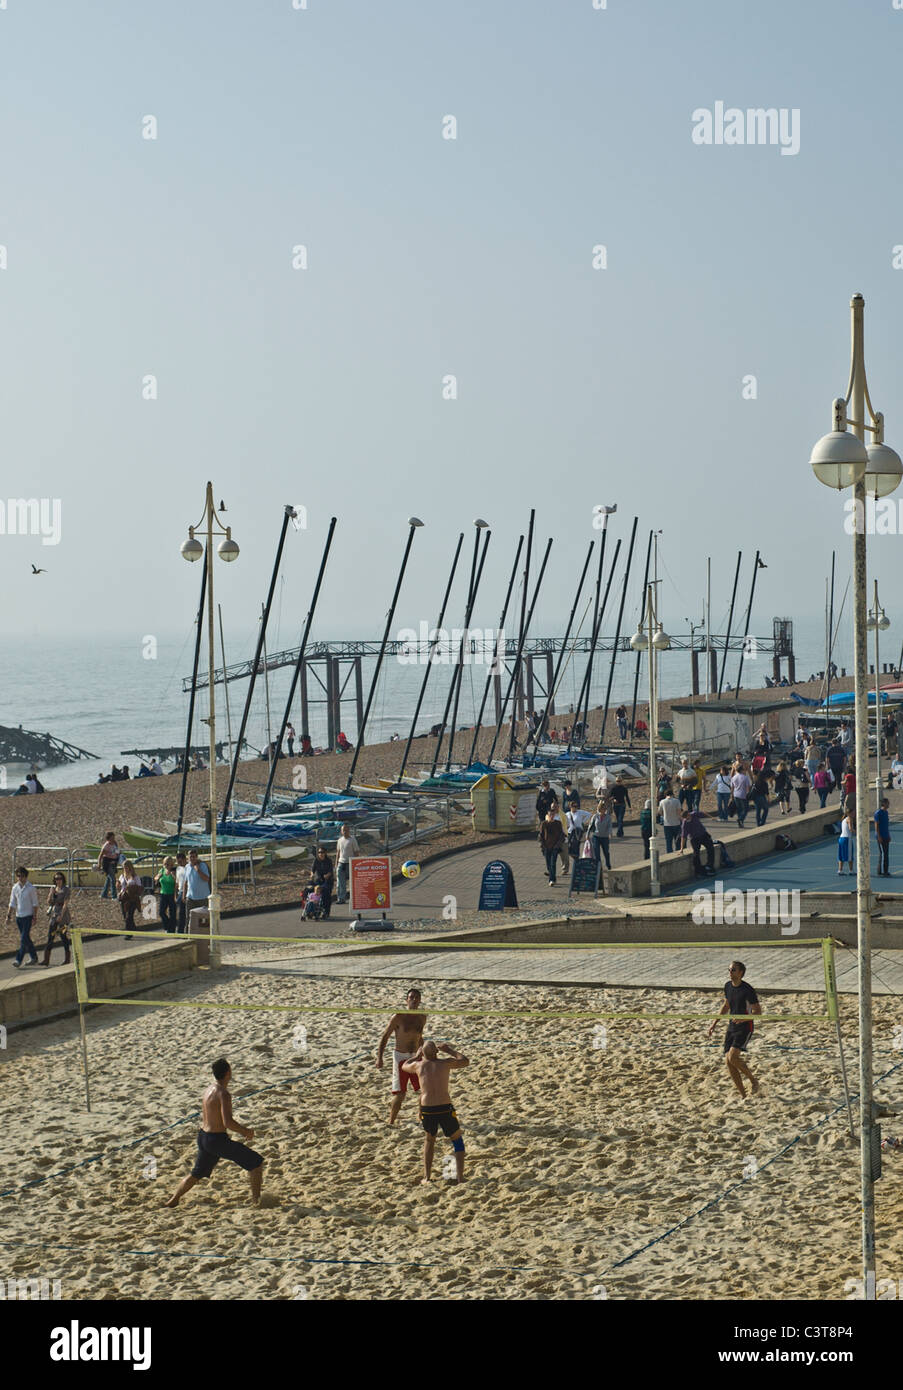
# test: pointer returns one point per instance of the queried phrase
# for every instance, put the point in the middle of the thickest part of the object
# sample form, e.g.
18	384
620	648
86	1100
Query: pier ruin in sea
25	746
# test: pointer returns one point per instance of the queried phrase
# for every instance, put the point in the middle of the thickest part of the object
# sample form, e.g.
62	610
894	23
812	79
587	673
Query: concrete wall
632	880
36	993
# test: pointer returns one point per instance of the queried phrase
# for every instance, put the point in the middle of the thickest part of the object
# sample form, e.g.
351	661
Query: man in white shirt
23	901
577	821
31	784
181	877
346	848
846	736
669	813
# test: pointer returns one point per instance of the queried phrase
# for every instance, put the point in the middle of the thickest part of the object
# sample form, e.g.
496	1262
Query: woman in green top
166	878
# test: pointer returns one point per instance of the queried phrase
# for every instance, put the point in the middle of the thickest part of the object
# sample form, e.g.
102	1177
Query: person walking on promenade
699	786
166	881
577	822
621	716
59	921
760	791
848	786
551	839
783	787
822	784
882	834
129	894
620	800
197	884
108	863
565	852
845	850
836	760
803	786
600	833
740	785
646	826
722	788
669	815
290	739
813	758
23	903
686	782
890	735
322	877
181	876
544	799
346	849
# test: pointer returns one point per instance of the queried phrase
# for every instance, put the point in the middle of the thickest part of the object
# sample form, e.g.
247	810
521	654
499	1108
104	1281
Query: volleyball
410	868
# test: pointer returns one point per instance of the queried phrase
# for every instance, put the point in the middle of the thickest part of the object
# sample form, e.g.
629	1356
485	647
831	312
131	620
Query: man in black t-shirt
544	799
739	998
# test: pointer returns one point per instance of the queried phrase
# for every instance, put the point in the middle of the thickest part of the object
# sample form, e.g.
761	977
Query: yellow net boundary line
552	1016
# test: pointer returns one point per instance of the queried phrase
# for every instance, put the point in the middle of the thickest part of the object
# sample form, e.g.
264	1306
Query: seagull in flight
37	571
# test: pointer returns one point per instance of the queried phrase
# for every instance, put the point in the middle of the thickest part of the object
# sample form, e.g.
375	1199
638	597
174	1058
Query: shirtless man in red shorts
408	1029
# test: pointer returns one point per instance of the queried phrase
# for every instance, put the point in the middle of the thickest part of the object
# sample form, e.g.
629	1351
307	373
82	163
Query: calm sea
108	698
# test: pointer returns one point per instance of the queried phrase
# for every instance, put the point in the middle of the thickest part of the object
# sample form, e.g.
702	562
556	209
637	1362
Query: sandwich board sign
497	888
585	876
371	883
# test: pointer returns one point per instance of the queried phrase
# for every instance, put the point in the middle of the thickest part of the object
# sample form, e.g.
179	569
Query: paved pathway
768	967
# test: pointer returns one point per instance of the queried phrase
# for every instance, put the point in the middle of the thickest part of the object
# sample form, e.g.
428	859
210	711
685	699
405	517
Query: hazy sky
427	258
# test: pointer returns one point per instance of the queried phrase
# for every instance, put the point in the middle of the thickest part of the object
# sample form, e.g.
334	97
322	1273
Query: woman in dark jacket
760	797
551	838
321	876
782	788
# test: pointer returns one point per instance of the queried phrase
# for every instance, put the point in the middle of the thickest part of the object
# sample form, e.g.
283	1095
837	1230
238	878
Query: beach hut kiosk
732	724
504	803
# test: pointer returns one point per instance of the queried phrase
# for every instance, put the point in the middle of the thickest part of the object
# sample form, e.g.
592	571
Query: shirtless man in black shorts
739	998
214	1142
435	1103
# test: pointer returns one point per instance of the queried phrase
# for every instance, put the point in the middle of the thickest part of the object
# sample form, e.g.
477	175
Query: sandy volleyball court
578	1155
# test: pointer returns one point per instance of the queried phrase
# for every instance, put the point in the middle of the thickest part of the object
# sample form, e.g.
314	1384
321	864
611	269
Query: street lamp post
654	640
839	460
227	550
878	621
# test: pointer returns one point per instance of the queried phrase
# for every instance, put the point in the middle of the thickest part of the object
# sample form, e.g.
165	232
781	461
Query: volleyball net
467	979
406	949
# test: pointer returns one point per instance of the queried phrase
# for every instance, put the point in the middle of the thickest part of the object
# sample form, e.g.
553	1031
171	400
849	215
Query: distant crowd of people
741	787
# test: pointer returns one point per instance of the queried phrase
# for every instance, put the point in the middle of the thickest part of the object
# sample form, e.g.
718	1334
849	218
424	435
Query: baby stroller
312	904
